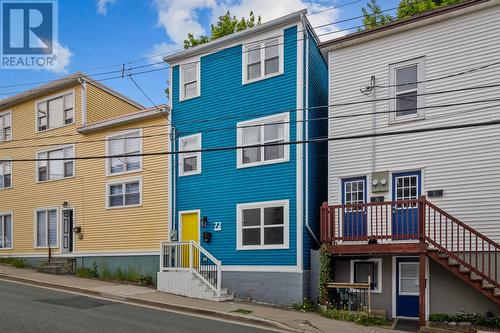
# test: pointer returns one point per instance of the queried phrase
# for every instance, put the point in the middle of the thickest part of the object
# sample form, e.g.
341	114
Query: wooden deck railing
412	220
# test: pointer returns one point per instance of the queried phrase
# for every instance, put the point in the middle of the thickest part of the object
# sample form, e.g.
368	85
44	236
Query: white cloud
102	6
63	58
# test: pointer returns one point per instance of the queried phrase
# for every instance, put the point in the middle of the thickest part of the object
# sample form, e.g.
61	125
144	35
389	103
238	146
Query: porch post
422	286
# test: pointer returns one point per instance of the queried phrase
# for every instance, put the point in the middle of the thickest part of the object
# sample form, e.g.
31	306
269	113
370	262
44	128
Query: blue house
242	220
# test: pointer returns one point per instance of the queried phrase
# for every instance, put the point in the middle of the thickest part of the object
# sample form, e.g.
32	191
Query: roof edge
213	45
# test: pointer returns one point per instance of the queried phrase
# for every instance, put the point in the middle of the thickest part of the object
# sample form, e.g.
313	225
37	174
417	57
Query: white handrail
183	256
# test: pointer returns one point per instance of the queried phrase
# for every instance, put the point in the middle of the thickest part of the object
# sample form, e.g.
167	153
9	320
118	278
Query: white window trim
11	125
11	213
47	151
124	181
45	99
109	138
8	159
420	62
281	117
35	244
263	204
197	63
185	155
399	278
378	261
262	43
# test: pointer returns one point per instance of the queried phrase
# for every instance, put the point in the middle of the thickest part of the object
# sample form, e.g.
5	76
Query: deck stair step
496	292
463	269
443	255
487	285
475	277
452	262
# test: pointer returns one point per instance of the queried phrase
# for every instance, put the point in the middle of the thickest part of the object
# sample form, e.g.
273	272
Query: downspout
306	162
84	100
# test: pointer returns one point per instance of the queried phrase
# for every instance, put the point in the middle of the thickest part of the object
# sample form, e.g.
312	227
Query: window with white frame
407	87
407	187
124	194
408	278
262	60
5	231
269	131
46	227
190	81
190	162
5	174
364	270
5	126
354	191
124	145
56	164
55	112
263	225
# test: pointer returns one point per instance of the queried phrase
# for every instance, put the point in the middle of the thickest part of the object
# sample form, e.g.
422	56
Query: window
5	126
407	88
53	166
362	269
124	194
46	228
408	279
5	174
5	231
190	163
262	60
268	130
56	112
190	81
124	144
263	225
354	191
407	187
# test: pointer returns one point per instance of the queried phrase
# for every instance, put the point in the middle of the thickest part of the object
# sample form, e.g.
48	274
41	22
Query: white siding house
464	163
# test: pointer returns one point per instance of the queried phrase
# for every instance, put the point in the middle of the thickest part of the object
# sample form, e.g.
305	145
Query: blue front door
407	287
405	186
354	221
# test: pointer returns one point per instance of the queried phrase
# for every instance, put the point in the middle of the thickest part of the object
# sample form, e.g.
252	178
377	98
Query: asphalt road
30	309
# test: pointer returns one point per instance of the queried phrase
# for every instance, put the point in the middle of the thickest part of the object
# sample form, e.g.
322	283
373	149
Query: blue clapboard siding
317	158
221	186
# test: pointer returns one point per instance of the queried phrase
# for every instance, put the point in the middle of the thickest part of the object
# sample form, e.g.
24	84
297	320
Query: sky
100	36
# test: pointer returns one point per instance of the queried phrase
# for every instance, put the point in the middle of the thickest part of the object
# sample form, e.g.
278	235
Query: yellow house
59	191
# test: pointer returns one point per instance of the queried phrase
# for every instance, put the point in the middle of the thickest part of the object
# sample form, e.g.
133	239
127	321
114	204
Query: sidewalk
262	315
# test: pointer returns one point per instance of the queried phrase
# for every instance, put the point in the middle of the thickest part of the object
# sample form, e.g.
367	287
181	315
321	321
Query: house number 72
217	226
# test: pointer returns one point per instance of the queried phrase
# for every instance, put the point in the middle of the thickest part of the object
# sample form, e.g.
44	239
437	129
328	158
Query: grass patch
13	261
103	272
243	311
361	318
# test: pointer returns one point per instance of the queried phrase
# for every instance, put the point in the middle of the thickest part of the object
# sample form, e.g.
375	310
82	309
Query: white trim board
82	254
193	211
243	268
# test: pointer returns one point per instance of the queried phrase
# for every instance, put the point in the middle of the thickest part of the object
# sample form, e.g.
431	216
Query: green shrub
487	319
146	280
13	261
361	318
84	272
305	306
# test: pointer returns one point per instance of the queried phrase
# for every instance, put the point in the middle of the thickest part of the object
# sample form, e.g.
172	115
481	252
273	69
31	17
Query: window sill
189	173
123	173
245	82
6	248
405	120
54	180
189	98
257	164
54	128
262	247
5	188
46	247
124	207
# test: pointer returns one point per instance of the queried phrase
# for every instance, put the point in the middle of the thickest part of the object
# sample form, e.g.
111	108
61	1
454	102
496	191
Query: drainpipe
306	94
84	100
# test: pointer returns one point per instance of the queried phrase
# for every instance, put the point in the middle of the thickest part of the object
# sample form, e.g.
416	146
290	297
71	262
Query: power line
333	7
317	140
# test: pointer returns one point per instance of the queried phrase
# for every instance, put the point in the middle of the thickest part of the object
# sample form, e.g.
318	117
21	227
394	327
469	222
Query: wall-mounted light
65	204
204	221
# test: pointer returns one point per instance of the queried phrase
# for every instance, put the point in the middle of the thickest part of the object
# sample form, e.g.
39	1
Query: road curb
264	323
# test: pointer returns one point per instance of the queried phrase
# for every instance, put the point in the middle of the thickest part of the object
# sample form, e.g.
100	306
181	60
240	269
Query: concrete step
51	269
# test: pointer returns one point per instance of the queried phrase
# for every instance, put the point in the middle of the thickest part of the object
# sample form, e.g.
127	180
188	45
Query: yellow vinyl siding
102	105
104	230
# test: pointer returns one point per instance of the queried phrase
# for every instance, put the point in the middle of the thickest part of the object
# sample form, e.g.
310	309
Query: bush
487	319
13	261
129	275
361	318
305	306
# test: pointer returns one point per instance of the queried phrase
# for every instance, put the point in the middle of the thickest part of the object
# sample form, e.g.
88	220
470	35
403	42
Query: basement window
362	269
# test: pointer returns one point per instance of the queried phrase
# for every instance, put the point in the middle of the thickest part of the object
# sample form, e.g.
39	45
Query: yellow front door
190	232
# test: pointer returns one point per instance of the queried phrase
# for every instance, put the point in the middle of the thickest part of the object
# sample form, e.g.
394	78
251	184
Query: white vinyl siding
464	163
55	112
5	174
55	164
46	228
129	143
263	225
124	194
262	59
189	81
5	126
6	233
190	162
262	131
